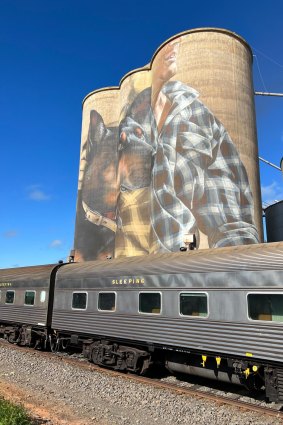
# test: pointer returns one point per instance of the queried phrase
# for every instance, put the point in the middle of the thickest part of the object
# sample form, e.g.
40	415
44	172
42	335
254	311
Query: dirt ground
41	411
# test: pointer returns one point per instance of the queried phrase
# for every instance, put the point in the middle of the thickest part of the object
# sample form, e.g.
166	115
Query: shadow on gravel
225	387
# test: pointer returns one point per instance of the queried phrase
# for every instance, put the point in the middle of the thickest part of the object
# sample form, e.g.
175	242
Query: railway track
197	391
184	388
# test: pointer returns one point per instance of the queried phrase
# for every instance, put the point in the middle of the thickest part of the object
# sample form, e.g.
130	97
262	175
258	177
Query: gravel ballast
97	398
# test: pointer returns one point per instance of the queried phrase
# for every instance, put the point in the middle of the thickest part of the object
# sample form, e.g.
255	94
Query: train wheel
12	337
54	343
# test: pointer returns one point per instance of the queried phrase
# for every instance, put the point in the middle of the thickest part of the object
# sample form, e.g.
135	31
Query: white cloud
272	193
56	243
38	195
35	193
10	234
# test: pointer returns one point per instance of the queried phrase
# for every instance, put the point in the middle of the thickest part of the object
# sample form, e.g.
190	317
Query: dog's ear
97	128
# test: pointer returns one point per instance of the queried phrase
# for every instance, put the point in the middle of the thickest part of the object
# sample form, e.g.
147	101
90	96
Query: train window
107	301
265	307
10	297
193	304
29	297
79	300
42	296
150	302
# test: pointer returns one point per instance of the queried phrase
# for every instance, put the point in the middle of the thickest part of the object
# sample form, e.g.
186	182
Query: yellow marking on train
204	358
249	354
247	372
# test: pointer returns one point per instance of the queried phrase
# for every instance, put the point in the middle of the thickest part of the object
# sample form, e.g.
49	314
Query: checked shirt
198	182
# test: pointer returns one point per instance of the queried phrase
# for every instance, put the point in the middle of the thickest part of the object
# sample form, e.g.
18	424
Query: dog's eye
138	132
123	137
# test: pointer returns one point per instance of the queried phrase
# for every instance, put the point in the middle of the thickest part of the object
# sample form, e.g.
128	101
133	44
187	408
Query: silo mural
172	153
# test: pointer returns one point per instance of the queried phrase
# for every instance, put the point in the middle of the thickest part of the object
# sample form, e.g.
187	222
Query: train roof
26	273
245	257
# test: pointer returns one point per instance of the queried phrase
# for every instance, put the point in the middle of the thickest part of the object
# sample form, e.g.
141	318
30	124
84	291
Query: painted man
196	182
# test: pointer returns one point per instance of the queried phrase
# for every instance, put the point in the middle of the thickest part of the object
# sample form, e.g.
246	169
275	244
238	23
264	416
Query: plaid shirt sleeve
199	182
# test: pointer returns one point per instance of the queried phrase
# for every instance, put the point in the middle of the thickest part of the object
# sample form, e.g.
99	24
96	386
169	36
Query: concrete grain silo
274	222
218	64
172	152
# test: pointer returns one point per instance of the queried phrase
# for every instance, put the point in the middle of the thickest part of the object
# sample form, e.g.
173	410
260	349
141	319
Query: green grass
12	415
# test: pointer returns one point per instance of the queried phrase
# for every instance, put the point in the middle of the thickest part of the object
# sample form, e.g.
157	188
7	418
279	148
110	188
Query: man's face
165	65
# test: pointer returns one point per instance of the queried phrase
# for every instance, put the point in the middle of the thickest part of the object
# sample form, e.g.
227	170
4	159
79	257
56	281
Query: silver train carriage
216	313
26	302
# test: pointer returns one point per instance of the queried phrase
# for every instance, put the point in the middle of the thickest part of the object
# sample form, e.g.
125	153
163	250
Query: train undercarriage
125	356
25	335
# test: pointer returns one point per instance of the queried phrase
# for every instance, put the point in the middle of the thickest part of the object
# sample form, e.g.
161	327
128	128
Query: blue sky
53	53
